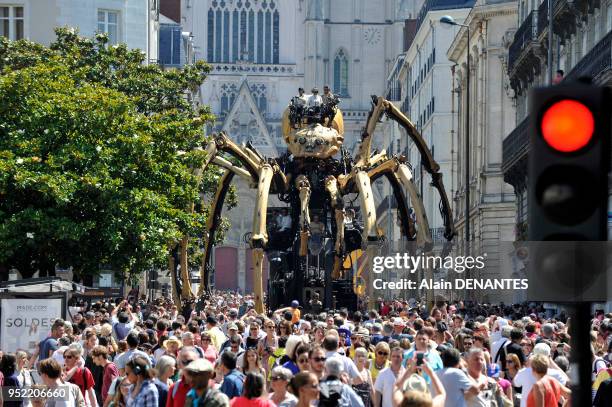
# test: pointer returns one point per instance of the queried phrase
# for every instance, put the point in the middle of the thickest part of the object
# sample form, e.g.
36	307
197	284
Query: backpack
330	393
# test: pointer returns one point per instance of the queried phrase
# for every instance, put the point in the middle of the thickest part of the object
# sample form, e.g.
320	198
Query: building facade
134	22
261	52
582	46
491	113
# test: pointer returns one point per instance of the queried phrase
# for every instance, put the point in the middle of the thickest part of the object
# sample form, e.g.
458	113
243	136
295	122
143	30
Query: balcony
596	64
253	69
523	55
564	18
514	155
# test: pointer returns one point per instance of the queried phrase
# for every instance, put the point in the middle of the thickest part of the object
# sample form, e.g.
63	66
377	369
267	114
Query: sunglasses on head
186	362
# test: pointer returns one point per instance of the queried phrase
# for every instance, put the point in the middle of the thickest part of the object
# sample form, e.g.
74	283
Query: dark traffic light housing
569	161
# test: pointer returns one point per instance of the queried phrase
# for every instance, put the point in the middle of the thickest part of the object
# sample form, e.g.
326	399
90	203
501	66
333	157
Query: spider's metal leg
258	255
423	234
368	208
363	156
186	291
260	234
222	162
429	163
331	185
370	236
212	223
259	238
303	187
225	144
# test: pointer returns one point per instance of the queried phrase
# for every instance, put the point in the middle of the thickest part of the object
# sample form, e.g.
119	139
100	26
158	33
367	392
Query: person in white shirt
383	387
525	378
315	99
285	221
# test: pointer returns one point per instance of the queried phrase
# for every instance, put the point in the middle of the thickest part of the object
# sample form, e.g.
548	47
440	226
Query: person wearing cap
232	329
525	378
199	373
232	318
216	335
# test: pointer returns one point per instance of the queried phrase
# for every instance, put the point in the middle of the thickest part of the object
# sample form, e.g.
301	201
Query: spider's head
314	140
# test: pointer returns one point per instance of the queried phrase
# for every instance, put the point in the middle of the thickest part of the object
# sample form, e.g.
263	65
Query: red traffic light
567	126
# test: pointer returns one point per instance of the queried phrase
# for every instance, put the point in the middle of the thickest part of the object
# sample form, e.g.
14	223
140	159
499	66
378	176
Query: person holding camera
423	351
334	391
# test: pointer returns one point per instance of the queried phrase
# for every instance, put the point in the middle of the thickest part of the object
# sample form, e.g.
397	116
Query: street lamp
451	21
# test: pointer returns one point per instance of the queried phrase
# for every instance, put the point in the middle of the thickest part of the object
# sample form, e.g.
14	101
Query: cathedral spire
315	10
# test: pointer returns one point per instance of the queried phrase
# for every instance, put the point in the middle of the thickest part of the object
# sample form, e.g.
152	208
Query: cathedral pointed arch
341	72
245	122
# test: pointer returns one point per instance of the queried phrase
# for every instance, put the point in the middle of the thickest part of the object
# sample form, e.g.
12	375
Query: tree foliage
97	151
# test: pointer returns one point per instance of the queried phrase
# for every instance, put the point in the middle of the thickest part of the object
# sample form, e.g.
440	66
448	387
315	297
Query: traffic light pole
467	148
581	343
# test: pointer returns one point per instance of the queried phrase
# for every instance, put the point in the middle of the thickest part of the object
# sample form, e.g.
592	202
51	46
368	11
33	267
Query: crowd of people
220	352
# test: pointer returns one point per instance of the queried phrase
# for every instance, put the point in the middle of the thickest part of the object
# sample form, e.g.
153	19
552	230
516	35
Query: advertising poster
26	321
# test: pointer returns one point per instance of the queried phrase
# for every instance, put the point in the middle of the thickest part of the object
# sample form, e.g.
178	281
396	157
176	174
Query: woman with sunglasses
252	340
121	396
365	389
280	380
267	345
301	357
250	362
305	386
381	359
210	353
78	374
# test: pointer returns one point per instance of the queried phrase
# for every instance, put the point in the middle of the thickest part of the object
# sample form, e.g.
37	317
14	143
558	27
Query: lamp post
451	21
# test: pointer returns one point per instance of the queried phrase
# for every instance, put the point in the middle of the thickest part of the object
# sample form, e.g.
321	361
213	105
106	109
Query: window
235	27
11	22
243	30
211	36
108	22
170	44
341	73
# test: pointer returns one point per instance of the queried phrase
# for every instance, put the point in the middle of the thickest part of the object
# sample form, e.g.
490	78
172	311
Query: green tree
96	156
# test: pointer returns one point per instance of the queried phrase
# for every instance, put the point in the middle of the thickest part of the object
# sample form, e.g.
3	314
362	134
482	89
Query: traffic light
569	161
